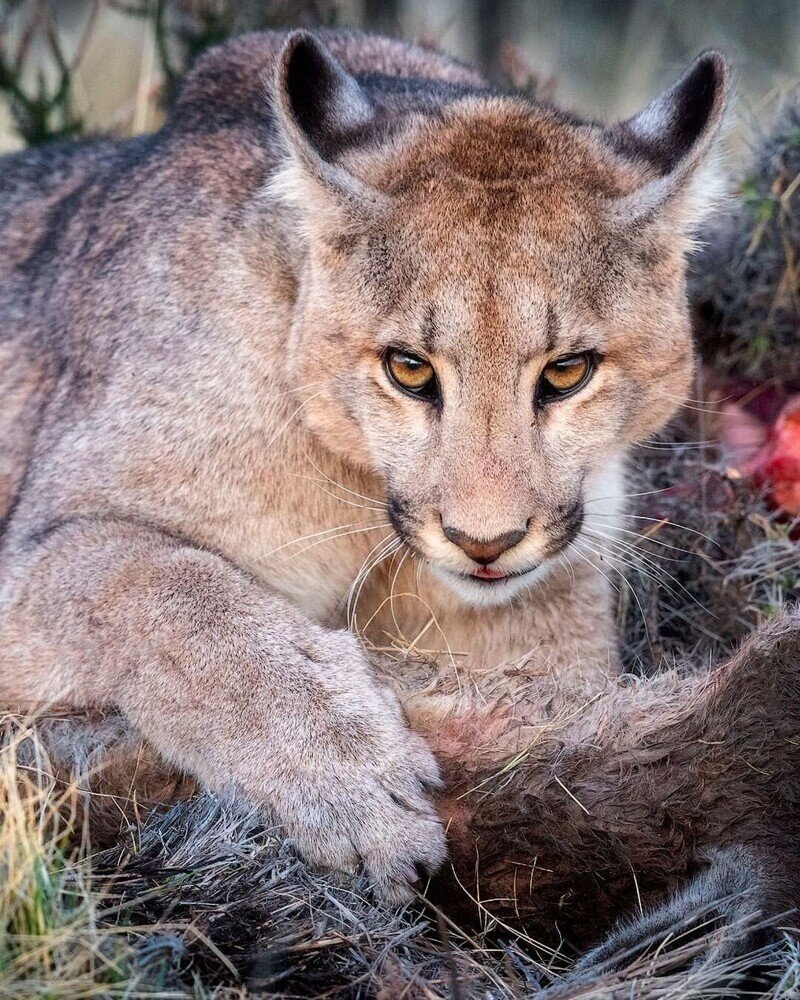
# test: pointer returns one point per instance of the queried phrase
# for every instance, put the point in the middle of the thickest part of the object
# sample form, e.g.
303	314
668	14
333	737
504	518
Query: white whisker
299	388
648	568
677	445
621	576
344	500
305	538
659	520
649	572
384	548
626	496
594	529
290	418
355	531
341	486
391	595
688	399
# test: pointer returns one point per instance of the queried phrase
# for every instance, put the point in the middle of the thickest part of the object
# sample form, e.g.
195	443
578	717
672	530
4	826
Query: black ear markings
675	129
697	97
321	103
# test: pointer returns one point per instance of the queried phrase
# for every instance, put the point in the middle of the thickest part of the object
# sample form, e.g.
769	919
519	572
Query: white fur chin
489	595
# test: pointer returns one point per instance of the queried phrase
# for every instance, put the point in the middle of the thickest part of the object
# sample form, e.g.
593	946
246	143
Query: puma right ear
322	109
674	135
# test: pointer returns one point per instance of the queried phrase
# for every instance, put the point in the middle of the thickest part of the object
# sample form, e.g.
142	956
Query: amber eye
411	373
565	376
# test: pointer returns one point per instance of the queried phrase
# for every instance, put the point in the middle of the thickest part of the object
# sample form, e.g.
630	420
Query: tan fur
205	312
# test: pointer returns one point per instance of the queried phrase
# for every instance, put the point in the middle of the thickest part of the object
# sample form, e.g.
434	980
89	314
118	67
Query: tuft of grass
52	940
788	984
40	82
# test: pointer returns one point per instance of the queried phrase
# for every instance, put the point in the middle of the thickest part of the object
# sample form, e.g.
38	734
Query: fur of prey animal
354	345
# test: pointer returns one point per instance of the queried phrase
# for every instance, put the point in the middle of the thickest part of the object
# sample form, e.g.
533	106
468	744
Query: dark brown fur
626	798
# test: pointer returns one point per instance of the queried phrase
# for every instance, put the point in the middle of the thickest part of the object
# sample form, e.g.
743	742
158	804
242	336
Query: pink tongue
484	573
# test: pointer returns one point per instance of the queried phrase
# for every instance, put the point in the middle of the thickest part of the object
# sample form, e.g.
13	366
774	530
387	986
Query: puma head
492	306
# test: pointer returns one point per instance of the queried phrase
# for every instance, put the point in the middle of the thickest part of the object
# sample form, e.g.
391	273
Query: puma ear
674	135
322	109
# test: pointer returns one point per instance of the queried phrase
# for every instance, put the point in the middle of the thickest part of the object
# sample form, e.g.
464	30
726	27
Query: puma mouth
486	575
482	589
487	586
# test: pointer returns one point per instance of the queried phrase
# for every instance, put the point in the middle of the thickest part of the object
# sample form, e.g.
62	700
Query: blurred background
68	67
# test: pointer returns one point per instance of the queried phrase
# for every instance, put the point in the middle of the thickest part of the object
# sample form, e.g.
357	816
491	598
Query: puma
350	353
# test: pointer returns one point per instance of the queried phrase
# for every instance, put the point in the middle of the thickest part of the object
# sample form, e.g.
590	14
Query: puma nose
484	552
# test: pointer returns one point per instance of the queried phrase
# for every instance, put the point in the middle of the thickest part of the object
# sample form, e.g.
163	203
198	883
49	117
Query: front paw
372	809
353	783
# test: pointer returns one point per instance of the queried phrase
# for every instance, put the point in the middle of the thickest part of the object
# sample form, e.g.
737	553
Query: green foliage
744	280
761	205
42	110
51	943
39	90
185	29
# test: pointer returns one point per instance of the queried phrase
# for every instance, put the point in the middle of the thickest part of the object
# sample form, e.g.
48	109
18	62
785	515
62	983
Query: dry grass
711	561
746	283
202	902
55	939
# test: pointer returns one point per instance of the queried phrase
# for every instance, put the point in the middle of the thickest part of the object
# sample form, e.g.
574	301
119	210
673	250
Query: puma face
493	305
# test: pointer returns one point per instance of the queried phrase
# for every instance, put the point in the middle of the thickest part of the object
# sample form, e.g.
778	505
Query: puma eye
411	373
564	376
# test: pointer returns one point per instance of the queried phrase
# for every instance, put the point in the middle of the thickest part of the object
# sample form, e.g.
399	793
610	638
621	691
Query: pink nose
487	551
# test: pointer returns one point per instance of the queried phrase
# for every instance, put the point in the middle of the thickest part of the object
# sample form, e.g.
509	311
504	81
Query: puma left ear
322	109
674	135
